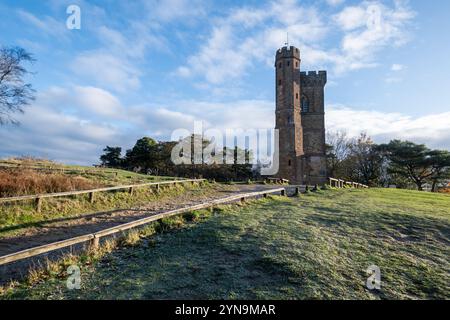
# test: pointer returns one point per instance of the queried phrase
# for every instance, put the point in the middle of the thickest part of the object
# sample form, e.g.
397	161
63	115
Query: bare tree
338	148
14	92
366	160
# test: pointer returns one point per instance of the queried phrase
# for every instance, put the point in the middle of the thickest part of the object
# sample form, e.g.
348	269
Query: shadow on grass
192	263
412	228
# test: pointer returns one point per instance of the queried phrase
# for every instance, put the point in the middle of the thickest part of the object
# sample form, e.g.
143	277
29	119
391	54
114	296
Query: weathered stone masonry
300	119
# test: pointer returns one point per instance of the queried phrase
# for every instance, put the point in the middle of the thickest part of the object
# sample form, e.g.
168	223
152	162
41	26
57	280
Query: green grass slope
317	246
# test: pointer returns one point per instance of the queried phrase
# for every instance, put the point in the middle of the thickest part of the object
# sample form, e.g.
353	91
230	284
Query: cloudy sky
147	67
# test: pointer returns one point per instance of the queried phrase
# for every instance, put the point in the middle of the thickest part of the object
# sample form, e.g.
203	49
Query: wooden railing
38	197
339	183
94	238
277	180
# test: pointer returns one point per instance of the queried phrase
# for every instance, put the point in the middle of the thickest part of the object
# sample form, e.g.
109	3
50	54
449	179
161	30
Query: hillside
32	176
317	246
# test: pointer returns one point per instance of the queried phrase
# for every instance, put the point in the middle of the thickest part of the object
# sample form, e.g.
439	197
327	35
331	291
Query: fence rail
277	180
94	238
38	197
339	183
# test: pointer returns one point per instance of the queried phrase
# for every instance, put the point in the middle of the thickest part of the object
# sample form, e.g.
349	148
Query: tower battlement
288	52
313	78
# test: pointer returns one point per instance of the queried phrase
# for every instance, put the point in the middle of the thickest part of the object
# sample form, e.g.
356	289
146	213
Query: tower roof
288	52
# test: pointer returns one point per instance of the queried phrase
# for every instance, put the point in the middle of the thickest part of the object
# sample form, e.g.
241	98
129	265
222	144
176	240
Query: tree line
154	157
401	163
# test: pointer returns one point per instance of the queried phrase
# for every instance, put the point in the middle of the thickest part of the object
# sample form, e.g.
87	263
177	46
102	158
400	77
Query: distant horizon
147	68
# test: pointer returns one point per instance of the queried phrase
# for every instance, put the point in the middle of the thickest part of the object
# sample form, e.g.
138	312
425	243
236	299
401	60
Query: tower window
289	163
290	120
296	64
305	104
279	82
280	65
296	96
288	63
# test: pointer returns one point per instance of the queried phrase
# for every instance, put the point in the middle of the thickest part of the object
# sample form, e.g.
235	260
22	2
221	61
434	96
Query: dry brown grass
16	182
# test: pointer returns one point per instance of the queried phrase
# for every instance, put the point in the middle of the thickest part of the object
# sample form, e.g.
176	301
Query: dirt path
65	228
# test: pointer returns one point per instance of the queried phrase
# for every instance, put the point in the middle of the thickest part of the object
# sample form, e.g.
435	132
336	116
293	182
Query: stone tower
300	119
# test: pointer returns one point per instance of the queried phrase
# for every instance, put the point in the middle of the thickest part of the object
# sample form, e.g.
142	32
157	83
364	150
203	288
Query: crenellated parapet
313	78
288	53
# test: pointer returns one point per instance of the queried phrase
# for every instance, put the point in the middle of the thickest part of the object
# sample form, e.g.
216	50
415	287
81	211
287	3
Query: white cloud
351	17
48	25
397	67
161	120
383	127
97	101
134	42
248	36
107	70
45	132
369	28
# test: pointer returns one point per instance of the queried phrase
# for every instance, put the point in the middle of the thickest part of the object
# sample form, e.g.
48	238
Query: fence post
38	203
95	242
91	197
297	191
131	191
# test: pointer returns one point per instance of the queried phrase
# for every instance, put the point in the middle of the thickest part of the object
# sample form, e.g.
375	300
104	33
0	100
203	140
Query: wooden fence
94	238
339	183
38	197
277	180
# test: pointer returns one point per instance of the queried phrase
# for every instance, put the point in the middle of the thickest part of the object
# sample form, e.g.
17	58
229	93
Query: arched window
305	104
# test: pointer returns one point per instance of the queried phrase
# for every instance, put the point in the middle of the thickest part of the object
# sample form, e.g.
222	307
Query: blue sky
139	68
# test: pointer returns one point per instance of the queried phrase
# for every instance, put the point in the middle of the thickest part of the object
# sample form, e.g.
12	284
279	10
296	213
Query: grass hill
317	246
